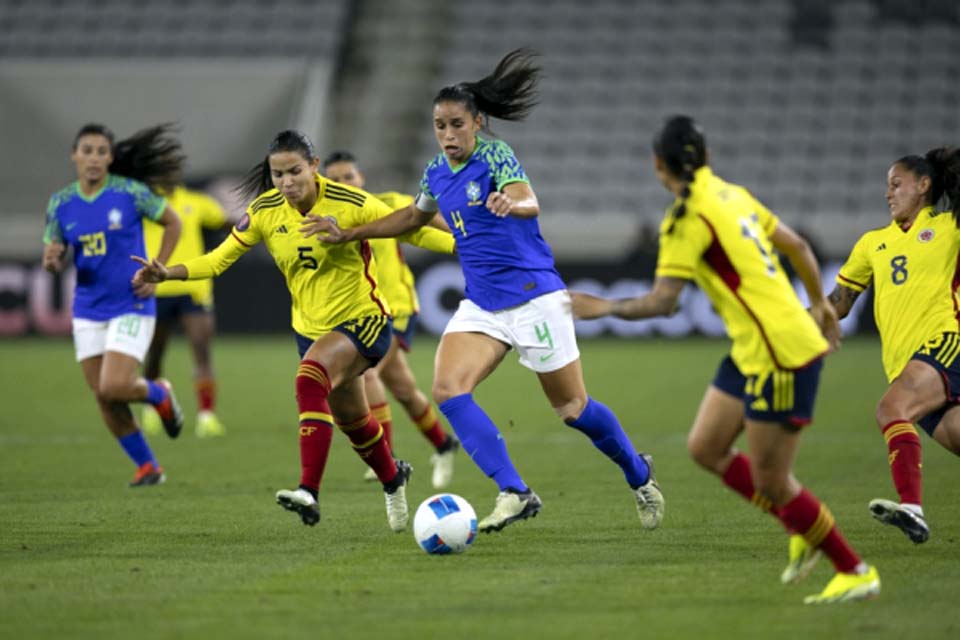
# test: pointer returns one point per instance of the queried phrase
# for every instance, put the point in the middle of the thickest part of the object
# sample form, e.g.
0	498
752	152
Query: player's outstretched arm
396	224
153	271
842	299
660	301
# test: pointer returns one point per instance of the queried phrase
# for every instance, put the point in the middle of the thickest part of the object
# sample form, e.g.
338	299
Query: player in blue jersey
514	296
100	217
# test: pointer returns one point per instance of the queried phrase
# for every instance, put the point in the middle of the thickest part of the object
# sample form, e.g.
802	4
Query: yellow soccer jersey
197	212
396	279
329	284
723	244
913	274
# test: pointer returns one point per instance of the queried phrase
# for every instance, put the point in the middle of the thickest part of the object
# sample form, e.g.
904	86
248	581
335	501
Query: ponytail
942	166
258	178
681	145
508	93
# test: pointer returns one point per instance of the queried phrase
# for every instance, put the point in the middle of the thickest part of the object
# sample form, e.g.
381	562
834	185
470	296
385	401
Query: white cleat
510	507
397	511
301	502
649	499
443	465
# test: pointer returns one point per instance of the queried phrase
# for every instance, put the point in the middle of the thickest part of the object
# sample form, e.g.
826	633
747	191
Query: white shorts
541	330
130	334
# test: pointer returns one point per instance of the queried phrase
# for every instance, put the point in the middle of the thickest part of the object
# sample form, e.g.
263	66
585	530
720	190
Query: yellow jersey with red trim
197	211
722	243
329	284
396	278
914	274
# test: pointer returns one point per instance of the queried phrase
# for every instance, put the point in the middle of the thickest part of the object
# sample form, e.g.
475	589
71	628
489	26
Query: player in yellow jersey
190	303
394	371
913	265
718	235
341	320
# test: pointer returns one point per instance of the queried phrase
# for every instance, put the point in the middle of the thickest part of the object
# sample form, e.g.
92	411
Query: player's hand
151	272
588	307
826	318
326	229
499	204
53	257
145	289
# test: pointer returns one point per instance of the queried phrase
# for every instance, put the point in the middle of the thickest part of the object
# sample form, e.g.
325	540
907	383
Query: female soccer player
514	295
101	217
341	320
393	371
912	264
719	235
189	304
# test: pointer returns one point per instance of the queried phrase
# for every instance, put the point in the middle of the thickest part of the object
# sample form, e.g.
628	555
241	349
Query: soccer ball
445	523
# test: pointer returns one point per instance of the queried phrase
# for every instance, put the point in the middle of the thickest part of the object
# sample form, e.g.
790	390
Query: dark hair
942	166
152	155
509	93
338	156
258	180
681	145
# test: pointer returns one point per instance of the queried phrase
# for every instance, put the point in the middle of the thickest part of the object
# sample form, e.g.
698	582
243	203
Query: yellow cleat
847	587
803	557
150	421
209	425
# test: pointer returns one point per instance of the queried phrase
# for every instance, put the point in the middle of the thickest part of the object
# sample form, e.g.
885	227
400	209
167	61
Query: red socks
813	520
366	436
316	423
430	427
381	412
206	390
905	456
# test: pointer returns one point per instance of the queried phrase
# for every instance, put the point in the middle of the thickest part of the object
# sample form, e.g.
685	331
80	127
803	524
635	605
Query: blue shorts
404	328
777	395
370	335
941	354
170	309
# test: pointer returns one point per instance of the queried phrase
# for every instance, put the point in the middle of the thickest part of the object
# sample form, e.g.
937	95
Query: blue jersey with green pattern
505	261
104	229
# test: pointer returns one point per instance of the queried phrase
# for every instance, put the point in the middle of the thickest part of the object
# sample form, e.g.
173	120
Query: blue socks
137	448
482	441
599	424
156	393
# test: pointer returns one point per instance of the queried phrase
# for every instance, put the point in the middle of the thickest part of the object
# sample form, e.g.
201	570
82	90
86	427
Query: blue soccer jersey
505	261
104	229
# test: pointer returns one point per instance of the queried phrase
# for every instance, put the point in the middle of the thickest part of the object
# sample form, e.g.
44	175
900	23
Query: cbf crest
473	194
115	217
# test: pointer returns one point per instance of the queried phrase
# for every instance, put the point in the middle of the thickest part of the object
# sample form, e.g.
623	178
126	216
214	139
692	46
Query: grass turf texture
210	555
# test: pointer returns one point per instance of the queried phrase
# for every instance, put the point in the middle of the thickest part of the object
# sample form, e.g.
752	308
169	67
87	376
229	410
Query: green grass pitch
209	554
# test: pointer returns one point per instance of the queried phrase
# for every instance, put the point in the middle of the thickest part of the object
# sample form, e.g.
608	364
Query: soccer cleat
147	475
209	425
442	462
150	422
847	587
649	499
397	511
301	501
369	475
803	557
169	410
912	524
510	507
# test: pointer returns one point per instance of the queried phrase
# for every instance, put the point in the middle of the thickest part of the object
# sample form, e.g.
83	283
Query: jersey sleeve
51	230
217	261
247	231
857	272
682	243
148	204
767	219
505	168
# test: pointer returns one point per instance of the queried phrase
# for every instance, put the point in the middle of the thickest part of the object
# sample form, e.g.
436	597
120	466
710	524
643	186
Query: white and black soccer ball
445	523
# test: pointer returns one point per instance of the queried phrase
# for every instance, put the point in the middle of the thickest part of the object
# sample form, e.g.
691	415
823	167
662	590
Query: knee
700	453
772	485
572	409
371	376
112	391
403	389
887	412
443	390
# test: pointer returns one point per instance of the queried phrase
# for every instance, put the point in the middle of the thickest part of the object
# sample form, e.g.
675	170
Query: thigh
91	372
773	447
919	390
395	371
718	423
118	370
464	360
339	356
947	431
